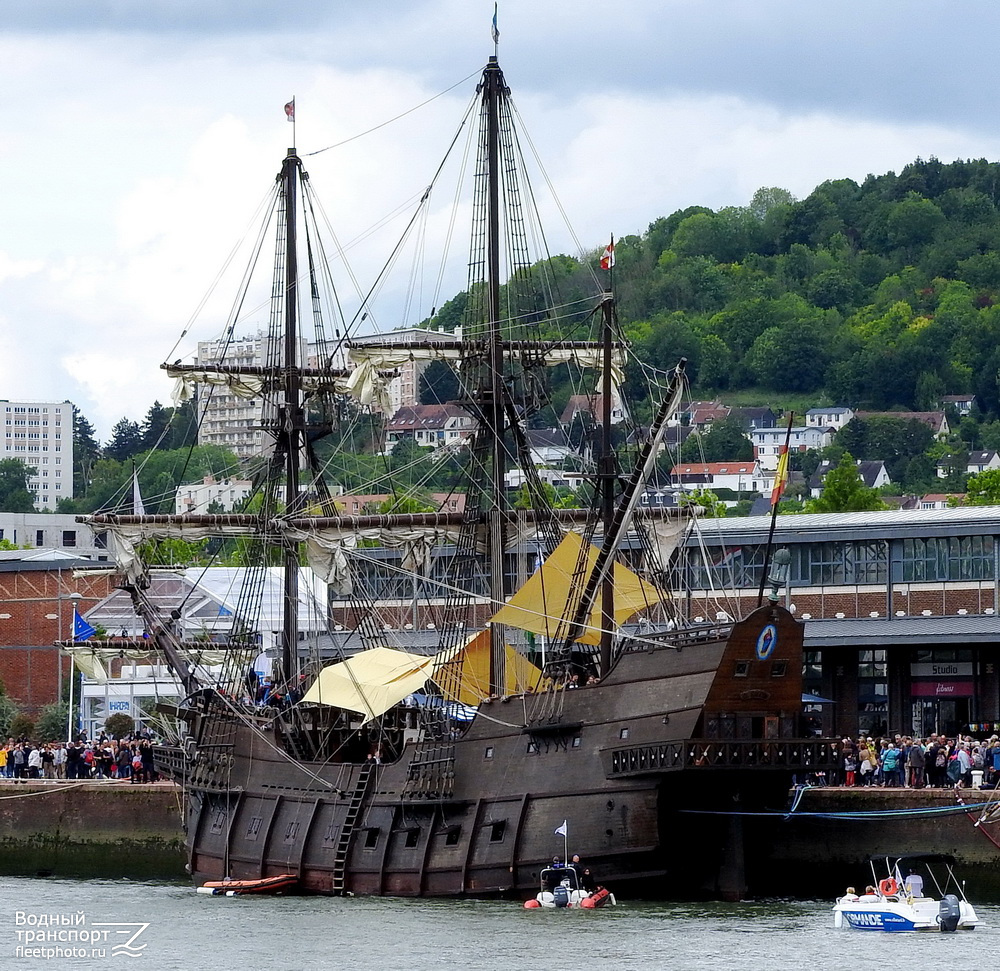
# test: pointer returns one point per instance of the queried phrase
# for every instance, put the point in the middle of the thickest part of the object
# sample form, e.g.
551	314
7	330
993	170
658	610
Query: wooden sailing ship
395	772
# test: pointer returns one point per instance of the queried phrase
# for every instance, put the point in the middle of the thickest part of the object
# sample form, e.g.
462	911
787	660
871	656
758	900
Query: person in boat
587	881
850	896
869	895
914	884
553	878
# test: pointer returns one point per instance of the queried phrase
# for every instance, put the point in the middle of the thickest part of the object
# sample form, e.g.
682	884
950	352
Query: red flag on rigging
608	259
290	110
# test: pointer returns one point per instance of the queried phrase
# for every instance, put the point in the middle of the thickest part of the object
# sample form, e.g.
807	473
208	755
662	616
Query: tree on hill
155	426
125	441
724	441
14	493
86	451
843	491
983	489
438	384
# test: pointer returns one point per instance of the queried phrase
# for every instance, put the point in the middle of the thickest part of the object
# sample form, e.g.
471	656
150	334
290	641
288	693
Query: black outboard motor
561	896
949	913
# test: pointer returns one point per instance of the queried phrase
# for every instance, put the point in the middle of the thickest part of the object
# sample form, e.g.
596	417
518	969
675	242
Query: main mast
492	386
289	433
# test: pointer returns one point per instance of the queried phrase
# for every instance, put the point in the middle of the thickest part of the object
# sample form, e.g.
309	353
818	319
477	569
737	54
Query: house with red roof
737	476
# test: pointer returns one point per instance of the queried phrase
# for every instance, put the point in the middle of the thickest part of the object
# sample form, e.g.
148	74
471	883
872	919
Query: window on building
39	537
873	692
945	558
69	537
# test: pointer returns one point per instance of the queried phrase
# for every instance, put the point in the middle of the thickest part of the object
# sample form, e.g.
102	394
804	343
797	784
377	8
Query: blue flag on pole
81	629
496	30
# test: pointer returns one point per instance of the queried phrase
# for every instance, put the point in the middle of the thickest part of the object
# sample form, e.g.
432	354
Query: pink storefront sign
942	689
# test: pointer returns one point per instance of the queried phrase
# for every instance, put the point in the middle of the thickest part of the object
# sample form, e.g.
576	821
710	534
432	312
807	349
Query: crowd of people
902	761
129	759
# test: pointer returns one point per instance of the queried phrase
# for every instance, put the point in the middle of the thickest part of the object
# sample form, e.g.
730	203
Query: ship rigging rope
859	815
457	590
988	814
396	118
44	792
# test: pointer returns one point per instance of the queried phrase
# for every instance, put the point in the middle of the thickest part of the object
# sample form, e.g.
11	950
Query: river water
189	932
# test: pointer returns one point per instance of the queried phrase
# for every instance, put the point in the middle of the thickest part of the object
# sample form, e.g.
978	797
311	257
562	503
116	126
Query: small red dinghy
281	883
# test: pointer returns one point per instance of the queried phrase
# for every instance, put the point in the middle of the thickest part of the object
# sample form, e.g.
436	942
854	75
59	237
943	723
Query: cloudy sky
139	136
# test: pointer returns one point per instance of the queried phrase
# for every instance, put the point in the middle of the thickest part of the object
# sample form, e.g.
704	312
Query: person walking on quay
34	763
890	766
915	764
20	761
72	761
59	761
124	761
48	762
939	778
964	760
865	761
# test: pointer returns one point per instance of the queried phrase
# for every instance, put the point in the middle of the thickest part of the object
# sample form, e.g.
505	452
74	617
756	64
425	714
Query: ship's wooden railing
706	754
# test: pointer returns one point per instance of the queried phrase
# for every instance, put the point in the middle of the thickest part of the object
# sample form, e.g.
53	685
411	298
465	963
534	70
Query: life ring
888	887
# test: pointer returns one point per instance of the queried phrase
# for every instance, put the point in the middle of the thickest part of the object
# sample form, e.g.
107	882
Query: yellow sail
466	677
370	682
546	603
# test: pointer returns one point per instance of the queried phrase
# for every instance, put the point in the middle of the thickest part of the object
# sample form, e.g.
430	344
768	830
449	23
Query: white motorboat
561	887
899	898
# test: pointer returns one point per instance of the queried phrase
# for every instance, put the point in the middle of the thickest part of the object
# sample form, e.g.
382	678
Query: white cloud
139	157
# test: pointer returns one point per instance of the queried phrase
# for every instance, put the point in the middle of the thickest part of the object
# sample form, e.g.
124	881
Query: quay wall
807	856
91	830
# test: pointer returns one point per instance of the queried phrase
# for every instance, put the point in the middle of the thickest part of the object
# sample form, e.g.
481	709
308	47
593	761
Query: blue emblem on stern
766	641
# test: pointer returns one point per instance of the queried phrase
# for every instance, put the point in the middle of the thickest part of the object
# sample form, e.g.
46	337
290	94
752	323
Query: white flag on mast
138	509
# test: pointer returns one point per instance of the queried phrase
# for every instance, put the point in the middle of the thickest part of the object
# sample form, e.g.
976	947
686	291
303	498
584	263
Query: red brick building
35	611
